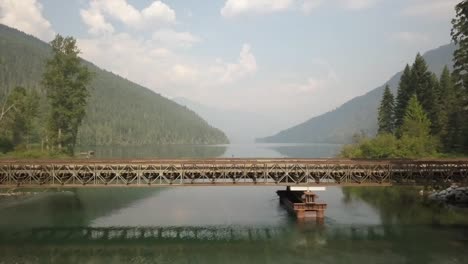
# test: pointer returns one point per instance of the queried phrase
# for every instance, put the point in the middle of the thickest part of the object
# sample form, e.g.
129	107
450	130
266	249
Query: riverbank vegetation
429	117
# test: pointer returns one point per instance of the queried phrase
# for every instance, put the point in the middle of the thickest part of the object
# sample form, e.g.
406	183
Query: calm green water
228	224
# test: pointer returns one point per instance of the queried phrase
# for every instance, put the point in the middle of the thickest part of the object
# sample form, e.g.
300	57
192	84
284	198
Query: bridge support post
302	203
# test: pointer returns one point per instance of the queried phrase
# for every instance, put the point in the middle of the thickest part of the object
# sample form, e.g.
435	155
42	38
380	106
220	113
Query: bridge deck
191	172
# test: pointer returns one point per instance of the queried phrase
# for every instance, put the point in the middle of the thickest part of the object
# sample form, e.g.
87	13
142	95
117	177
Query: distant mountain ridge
239	126
119	112
357	115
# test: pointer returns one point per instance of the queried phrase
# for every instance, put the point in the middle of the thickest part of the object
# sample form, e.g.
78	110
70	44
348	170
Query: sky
288	59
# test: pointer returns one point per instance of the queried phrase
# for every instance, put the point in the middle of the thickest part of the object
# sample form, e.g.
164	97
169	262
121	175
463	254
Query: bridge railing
232	172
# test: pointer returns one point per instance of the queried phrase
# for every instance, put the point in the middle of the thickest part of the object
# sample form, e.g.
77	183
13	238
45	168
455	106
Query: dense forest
118	111
429	115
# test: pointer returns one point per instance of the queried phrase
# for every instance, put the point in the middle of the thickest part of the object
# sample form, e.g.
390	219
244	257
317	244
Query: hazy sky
292	59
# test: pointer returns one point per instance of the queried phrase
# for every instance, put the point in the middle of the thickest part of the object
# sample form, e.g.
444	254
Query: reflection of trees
422	231
44	209
404	206
160	151
78	207
100	202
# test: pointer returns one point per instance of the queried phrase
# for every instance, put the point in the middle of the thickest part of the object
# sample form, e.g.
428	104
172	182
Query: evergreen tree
435	111
405	91
386	112
415	123
66	82
460	37
415	140
456	120
445	96
423	85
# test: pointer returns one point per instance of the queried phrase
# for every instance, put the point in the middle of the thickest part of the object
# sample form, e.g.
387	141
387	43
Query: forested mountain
357	116
119	112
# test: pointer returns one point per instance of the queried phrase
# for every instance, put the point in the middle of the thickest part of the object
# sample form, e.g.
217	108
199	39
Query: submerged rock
453	194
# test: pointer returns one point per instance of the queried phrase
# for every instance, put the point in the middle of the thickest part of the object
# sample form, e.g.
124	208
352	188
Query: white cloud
121	10
234	8
157	12
152	61
444	9
230	72
26	15
95	20
171	38
239	7
158	68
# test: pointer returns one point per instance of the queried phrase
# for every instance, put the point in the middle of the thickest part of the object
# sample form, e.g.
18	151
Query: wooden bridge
235	172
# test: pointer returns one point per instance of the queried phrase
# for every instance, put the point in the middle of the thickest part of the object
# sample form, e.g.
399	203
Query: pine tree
66	82
405	91
460	37
454	141
386	112
416	140
423	84
415	123
435	111
445	97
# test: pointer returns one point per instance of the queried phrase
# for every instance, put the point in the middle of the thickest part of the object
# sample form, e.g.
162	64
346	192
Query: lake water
227	224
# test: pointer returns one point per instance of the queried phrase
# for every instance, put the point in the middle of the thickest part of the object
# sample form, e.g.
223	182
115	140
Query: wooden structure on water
303	204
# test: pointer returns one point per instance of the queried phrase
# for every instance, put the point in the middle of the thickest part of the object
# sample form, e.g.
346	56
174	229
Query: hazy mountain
239	126
119	112
357	115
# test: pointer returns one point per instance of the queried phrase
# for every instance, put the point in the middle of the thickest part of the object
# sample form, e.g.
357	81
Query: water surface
228	224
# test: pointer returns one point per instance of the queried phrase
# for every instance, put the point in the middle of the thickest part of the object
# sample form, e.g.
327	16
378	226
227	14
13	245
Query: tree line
429	115
66	82
118	111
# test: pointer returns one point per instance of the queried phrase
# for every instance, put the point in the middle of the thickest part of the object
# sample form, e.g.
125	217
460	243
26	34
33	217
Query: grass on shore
34	154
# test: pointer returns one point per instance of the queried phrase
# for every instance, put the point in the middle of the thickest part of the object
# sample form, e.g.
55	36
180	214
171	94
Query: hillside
355	116
119	112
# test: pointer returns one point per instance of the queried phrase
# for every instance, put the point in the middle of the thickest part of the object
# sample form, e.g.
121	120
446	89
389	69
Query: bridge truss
281	172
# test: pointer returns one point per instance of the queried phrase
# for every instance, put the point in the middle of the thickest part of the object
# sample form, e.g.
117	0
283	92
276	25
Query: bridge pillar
302	203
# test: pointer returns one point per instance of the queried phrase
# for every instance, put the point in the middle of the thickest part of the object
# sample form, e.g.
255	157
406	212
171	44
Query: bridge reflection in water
286	172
